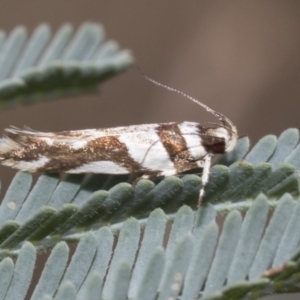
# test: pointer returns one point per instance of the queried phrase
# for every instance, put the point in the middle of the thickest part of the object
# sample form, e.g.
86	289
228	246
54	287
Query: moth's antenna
225	121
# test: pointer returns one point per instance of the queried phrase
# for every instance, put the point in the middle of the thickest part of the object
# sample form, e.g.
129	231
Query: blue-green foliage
46	66
190	264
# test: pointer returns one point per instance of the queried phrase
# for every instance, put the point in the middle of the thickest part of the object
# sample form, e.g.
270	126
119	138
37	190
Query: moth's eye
217	147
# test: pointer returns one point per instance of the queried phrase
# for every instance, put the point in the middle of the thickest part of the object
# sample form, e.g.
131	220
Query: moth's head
229	132
232	134
232	139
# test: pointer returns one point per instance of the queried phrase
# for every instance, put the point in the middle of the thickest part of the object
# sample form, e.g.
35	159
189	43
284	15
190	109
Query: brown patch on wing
110	148
63	157
175	145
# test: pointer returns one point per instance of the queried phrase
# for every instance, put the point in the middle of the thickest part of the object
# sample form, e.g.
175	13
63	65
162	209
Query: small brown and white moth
152	150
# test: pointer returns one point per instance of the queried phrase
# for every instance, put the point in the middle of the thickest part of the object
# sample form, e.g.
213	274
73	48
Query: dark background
242	58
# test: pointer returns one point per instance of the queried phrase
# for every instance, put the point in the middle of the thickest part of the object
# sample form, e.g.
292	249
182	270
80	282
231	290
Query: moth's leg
151	175
205	177
135	179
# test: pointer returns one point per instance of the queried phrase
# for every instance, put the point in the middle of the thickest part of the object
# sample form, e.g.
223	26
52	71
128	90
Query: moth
162	149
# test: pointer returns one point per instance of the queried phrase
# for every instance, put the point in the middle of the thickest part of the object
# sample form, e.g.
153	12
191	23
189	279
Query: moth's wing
119	150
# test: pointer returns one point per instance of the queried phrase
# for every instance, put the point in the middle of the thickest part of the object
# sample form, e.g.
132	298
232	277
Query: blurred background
242	58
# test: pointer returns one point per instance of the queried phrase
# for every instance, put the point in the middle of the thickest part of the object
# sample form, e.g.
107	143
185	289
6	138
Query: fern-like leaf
46	67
